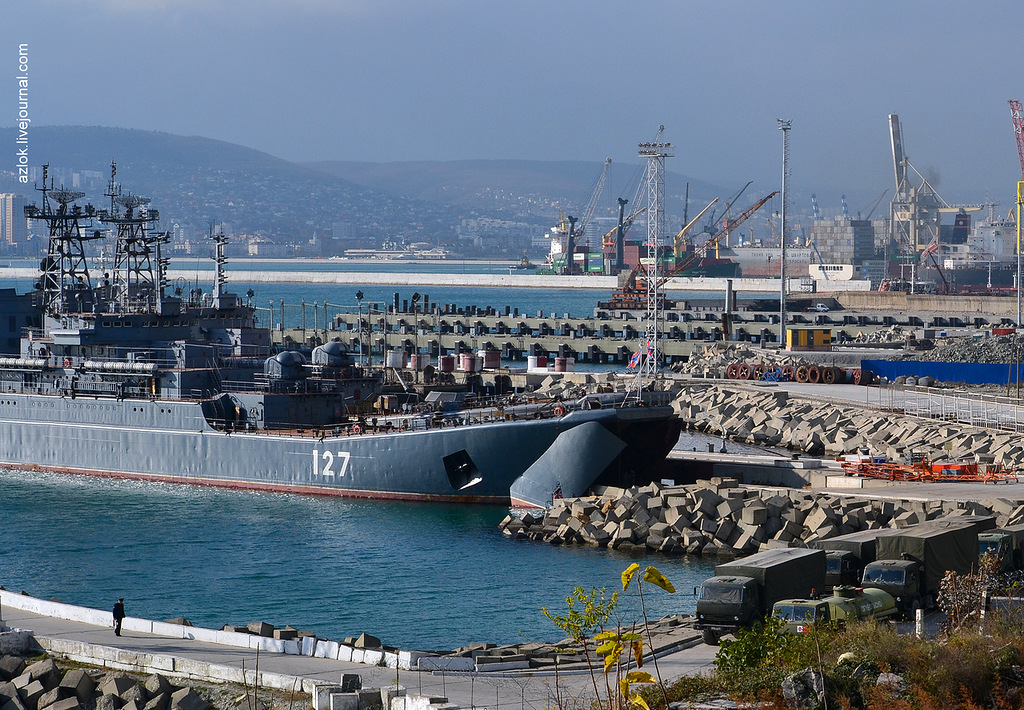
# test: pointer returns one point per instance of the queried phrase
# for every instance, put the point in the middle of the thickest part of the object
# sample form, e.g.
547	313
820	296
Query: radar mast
65	281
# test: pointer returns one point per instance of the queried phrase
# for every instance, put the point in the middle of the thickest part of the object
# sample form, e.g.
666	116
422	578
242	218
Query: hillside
195	181
515	187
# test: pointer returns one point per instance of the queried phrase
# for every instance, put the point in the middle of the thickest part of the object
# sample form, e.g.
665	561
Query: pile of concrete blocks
892	334
44	686
720	518
773	418
262	628
1000	349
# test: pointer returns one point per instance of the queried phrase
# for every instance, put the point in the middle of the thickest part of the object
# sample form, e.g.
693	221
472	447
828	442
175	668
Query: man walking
118	616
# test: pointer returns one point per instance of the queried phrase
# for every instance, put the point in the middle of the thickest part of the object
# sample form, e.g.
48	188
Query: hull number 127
329	464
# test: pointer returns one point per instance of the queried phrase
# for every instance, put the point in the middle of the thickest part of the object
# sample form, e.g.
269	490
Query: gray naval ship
129	378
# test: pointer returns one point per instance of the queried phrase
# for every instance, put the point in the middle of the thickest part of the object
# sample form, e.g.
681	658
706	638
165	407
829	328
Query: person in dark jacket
118	616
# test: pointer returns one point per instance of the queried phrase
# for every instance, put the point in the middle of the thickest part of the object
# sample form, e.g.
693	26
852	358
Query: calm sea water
416	575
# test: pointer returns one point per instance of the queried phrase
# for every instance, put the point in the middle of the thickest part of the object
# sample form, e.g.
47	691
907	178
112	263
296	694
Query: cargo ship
129	378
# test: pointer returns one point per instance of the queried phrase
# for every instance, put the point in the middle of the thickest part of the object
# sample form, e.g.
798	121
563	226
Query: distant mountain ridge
479	183
195	181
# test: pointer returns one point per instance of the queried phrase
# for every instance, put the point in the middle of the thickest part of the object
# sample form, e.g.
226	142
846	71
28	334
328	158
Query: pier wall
362	278
897	302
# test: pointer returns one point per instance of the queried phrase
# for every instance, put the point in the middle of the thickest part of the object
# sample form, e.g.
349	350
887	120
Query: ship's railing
85	389
420	418
377	425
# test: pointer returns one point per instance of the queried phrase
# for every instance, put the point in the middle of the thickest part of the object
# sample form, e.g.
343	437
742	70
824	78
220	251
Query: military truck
911	562
1006	543
743	591
847	604
846	555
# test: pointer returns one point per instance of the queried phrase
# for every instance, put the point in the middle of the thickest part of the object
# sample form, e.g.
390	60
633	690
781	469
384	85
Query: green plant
756	659
655	577
587	611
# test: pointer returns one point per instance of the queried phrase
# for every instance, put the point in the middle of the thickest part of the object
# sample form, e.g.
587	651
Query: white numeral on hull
328	458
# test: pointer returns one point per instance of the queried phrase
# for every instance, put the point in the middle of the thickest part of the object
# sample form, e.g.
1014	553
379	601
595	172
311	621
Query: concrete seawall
360	278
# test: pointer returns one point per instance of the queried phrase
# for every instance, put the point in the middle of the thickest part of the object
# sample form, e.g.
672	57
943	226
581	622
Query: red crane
1018	131
712	243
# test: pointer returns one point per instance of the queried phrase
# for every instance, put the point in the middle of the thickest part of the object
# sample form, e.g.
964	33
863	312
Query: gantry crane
578	228
1018	131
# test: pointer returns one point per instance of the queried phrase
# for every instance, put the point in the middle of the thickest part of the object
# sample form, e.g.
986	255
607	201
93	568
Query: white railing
980	410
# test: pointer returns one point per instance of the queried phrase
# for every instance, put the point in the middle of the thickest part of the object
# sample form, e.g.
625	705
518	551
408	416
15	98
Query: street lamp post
784	125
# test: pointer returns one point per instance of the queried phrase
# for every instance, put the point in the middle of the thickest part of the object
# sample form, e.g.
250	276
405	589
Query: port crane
725	212
716	239
632	292
930	253
1018	131
580	231
629	293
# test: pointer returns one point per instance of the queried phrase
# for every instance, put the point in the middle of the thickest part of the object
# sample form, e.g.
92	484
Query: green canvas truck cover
980	523
785	573
938	547
862	544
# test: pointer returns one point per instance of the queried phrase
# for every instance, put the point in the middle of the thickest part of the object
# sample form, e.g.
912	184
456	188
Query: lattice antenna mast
135	286
65	281
655	153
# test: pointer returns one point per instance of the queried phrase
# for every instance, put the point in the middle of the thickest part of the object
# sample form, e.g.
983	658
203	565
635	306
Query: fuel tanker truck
847	604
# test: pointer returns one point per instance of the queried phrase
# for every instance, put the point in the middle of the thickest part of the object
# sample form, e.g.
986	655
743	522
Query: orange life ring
67	363
357	429
559	412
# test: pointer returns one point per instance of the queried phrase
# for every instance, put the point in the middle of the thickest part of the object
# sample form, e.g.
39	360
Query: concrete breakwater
720	518
668	634
771	417
45	686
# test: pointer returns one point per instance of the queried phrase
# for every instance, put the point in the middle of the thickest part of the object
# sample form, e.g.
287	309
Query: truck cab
724	604
801	615
902	580
842	567
1004	544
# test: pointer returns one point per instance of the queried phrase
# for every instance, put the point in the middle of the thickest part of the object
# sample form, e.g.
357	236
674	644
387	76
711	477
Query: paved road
520	691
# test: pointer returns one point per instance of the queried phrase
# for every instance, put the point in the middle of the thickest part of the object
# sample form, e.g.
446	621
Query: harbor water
419	576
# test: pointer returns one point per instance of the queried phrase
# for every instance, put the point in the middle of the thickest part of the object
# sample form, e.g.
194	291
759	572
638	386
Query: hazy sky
395	80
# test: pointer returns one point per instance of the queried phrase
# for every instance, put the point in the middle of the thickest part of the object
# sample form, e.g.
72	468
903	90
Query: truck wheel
912	614
710	637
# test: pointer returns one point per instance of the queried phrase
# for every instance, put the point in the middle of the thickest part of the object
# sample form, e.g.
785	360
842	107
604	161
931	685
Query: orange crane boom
702	251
